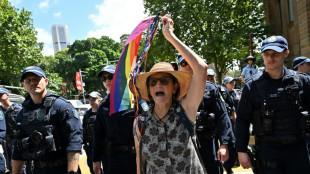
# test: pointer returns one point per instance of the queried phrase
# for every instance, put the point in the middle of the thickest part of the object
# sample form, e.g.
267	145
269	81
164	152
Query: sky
84	18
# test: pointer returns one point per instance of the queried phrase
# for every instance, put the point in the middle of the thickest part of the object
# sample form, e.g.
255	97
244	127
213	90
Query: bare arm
198	83
244	160
73	161
17	166
137	147
97	167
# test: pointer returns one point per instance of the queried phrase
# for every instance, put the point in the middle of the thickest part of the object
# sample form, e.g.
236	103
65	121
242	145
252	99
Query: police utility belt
50	164
111	148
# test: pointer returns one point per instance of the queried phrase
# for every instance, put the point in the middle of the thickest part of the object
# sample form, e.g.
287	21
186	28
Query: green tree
216	30
18	43
89	55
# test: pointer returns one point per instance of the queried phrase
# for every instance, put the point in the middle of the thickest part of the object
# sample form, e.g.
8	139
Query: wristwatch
72	172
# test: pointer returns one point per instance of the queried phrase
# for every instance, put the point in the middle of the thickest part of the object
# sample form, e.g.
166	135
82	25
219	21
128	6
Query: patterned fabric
167	147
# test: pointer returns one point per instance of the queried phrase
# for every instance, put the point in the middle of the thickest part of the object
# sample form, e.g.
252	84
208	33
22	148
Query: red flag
78	81
63	89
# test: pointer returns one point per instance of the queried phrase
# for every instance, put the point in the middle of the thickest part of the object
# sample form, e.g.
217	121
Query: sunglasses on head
183	64
108	77
163	80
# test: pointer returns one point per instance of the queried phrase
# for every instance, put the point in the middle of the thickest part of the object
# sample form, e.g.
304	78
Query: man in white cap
88	126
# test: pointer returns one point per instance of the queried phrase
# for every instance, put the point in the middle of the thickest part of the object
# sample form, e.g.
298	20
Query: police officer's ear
46	81
286	52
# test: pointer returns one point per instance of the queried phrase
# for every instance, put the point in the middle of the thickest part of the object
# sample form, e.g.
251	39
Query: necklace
160	119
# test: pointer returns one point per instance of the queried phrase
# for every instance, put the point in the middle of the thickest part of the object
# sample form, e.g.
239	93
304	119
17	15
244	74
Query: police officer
224	95
229	84
249	70
113	134
301	64
3	91
212	123
276	102
10	110
49	131
88	126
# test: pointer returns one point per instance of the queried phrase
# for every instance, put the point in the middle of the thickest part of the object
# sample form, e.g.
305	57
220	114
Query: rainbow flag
121	97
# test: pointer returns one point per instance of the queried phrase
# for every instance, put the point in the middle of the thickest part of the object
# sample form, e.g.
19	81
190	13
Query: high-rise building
60	37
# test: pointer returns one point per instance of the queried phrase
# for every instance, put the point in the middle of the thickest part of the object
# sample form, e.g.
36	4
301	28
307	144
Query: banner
78	81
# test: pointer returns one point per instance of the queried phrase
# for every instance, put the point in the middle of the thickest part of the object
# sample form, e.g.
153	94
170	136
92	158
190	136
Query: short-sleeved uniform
270	105
10	120
2	136
248	72
47	134
113	140
207	138
88	134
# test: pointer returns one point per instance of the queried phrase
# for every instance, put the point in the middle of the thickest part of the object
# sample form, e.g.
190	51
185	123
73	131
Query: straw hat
183	78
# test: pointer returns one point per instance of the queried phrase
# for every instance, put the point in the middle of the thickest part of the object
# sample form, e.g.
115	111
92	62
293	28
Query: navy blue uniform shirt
10	117
214	104
251	101
67	125
2	126
115	128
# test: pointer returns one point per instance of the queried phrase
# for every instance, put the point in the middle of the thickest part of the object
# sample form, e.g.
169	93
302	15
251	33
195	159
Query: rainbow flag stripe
121	97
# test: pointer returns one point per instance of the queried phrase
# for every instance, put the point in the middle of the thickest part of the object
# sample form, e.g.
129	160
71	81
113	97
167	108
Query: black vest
89	122
35	132
277	120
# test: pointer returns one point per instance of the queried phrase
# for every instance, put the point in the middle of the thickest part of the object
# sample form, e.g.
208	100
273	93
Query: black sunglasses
163	80
183	64
109	77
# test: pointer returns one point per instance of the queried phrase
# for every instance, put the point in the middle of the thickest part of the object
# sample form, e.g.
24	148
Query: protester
212	124
49	131
166	144
277	103
113	139
301	64
88	126
249	70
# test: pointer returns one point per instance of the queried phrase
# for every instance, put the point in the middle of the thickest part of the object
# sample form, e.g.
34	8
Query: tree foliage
89	55
18	43
216	30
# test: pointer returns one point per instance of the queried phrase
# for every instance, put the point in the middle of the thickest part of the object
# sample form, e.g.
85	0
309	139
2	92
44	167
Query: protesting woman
166	144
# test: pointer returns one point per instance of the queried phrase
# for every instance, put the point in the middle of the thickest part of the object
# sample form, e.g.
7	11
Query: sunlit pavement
237	170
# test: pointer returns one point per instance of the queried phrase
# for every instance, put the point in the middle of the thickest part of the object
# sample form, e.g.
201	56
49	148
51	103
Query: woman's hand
167	27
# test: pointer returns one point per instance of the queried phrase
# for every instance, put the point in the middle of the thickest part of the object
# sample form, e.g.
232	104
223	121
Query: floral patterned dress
167	147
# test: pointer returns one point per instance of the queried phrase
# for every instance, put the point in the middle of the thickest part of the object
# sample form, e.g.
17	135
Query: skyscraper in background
60	37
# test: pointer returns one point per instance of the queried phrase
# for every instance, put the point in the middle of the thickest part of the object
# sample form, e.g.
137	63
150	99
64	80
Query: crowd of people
187	122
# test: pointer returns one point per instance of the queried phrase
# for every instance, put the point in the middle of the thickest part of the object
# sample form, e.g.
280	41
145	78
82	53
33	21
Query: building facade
60	37
291	19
